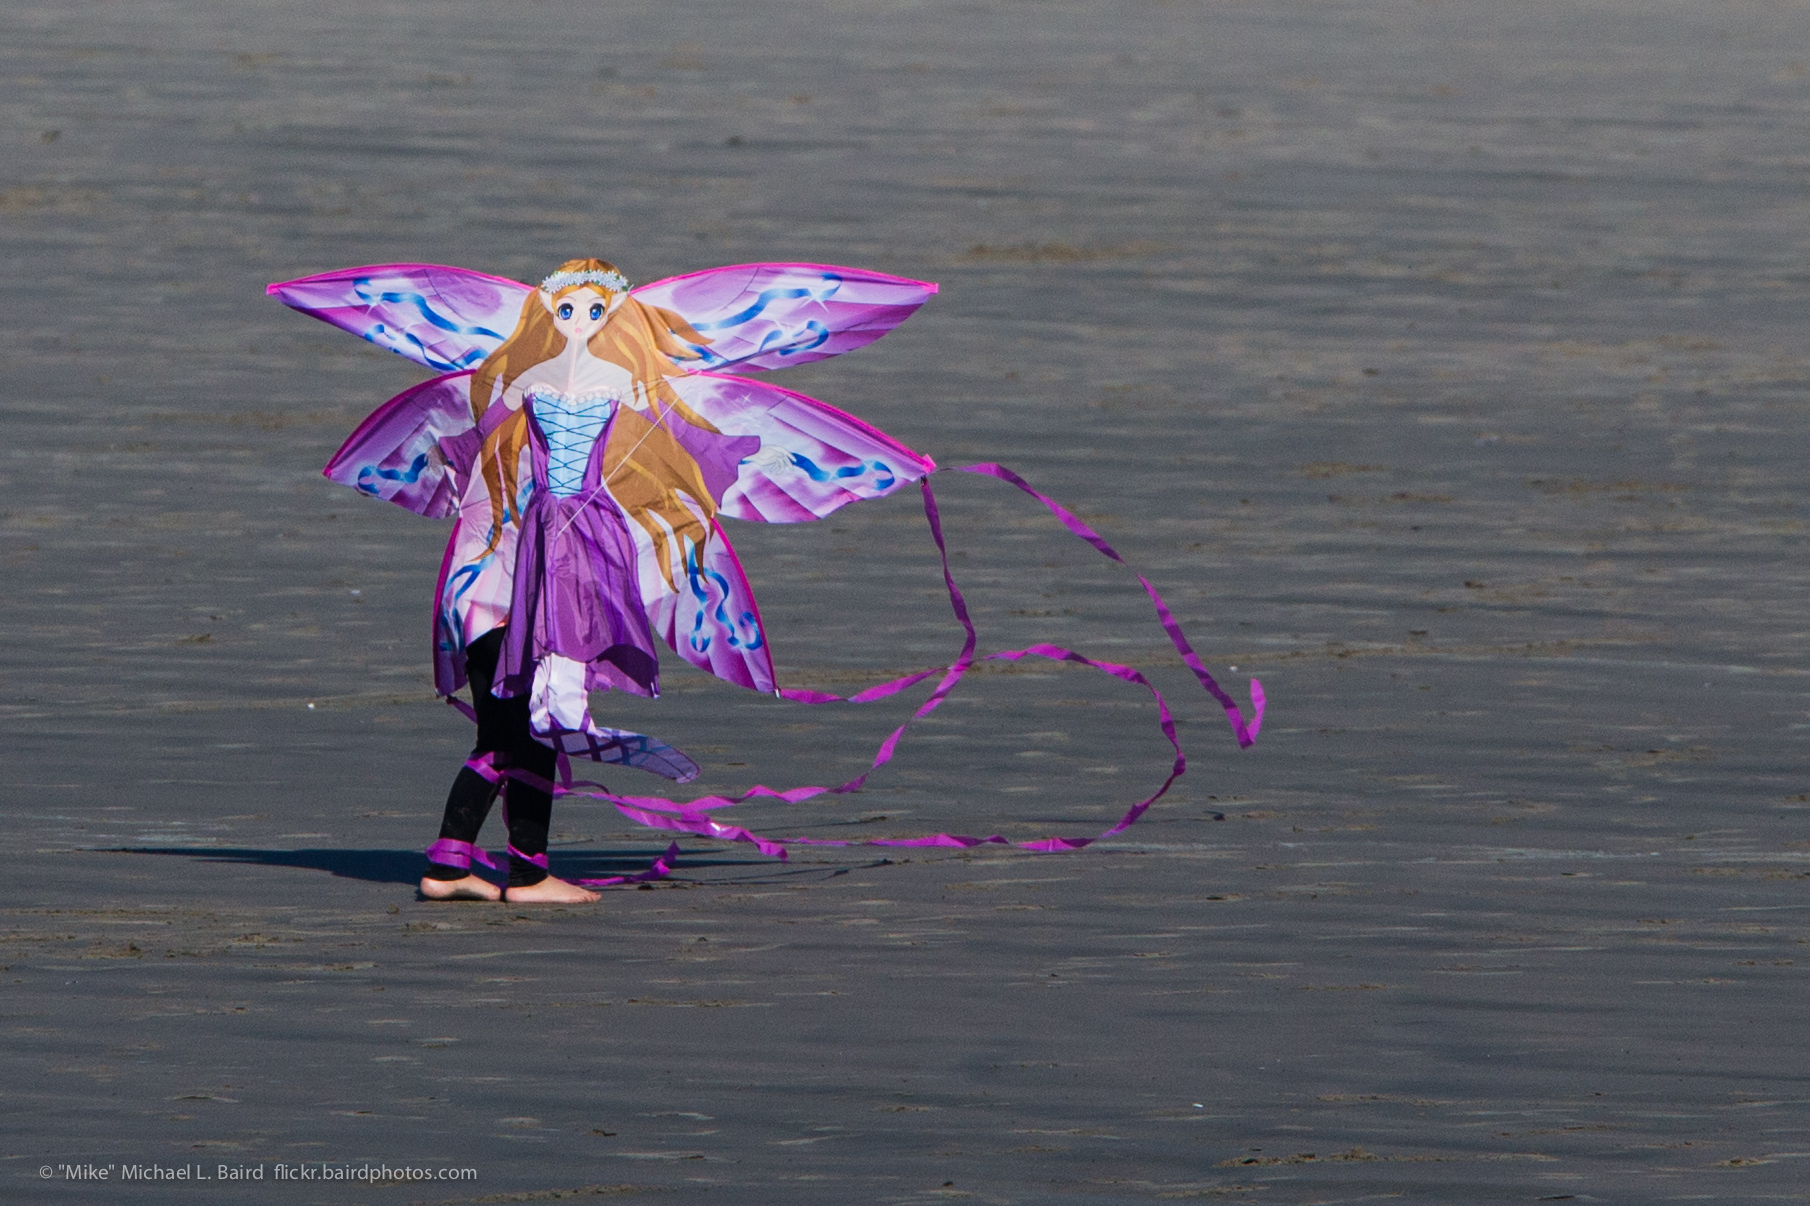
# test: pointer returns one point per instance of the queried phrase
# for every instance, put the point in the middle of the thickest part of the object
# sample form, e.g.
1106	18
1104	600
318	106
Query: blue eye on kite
596	311
565	310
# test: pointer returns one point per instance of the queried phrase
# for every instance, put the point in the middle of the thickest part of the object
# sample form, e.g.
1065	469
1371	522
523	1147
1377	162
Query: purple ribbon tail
458	855
660	870
691	816
1245	733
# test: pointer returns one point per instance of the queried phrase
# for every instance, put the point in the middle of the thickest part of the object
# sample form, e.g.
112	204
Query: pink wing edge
755	267
272	290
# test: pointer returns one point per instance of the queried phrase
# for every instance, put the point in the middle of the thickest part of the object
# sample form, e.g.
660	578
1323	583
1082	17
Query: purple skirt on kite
576	590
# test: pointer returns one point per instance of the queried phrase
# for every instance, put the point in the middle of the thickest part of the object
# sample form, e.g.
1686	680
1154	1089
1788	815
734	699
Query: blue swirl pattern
744	633
399	341
784	342
884	478
406	477
383	336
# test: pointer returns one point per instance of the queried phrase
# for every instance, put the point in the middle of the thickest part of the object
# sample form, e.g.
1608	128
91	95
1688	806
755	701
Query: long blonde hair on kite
646	471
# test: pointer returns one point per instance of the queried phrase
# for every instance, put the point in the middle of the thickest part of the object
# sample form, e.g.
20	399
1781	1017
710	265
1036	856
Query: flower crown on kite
612	280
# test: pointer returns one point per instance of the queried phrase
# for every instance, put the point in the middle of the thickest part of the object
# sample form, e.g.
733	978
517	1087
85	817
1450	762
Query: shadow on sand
404	866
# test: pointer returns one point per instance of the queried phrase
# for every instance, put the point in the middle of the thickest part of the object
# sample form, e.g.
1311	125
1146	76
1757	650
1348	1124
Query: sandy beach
1440	361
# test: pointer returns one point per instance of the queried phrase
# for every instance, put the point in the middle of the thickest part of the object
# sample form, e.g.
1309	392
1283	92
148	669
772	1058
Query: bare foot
469	888
551	891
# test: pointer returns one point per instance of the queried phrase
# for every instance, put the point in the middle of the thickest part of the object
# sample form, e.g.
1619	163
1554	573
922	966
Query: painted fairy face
580	314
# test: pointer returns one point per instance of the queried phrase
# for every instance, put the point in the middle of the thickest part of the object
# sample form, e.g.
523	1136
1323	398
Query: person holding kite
586	441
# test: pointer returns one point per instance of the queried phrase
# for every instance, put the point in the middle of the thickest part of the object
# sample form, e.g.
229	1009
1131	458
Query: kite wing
768	316
774	456
404	451
445	319
795	458
710	619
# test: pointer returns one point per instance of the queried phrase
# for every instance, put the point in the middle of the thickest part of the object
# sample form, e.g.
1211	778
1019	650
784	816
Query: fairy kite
589	438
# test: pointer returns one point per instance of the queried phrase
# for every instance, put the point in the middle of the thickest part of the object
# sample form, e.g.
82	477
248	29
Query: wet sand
1440	361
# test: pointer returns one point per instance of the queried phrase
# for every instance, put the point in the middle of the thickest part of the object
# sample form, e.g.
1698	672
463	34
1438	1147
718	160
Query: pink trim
673	280
373	269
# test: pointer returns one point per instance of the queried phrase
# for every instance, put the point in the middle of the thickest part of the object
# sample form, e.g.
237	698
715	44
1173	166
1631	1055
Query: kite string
689	817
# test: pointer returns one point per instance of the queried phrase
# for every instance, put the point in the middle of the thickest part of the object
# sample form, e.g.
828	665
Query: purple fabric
449	852
690	816
577	591
719	459
461	451
713	621
768	316
815	458
756	316
781	457
400	453
485	765
620	747
445	319
476	585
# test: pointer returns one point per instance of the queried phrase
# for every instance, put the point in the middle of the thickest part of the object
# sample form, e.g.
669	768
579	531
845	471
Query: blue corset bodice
571	424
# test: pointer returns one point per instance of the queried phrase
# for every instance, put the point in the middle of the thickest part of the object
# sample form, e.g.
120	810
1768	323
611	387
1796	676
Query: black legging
503	732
